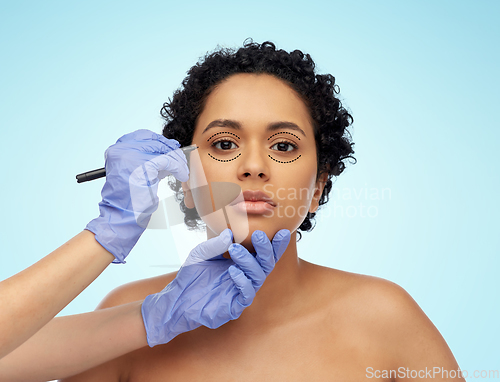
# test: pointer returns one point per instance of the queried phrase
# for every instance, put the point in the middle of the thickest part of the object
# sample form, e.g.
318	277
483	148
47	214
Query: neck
280	290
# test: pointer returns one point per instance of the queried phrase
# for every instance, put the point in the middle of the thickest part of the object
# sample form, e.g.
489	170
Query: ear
188	196
318	191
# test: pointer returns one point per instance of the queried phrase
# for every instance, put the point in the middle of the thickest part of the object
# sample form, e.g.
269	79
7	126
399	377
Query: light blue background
421	79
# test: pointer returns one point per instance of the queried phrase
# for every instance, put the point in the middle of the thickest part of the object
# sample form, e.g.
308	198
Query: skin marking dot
222	132
283	132
290	161
223	160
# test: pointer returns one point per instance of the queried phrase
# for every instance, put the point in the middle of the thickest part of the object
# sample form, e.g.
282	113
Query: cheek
296	180
294	192
215	169
203	170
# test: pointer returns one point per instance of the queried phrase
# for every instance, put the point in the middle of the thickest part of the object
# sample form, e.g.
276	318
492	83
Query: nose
253	164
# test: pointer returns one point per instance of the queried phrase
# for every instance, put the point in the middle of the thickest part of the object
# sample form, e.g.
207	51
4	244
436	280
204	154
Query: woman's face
256	132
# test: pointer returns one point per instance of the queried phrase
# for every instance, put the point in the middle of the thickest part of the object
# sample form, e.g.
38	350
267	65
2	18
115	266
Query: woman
264	120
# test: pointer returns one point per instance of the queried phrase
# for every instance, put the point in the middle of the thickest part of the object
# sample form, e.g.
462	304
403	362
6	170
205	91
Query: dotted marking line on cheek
222	132
290	161
283	132
223	160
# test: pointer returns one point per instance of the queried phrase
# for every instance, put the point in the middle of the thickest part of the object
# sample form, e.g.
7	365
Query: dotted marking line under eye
222	132
283	132
290	161
223	160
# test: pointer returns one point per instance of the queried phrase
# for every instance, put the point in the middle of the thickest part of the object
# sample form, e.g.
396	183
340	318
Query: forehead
255	99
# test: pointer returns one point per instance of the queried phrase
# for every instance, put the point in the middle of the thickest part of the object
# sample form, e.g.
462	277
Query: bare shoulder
368	297
136	290
388	319
381	297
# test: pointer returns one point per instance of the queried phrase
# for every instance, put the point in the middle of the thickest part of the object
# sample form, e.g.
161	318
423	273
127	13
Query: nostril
247	174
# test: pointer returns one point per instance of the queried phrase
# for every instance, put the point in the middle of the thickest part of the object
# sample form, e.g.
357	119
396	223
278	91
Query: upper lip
256	196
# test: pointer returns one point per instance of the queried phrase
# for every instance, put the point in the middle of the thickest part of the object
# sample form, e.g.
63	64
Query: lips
257	196
254	196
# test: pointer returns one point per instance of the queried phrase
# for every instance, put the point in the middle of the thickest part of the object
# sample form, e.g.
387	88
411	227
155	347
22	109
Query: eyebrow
235	125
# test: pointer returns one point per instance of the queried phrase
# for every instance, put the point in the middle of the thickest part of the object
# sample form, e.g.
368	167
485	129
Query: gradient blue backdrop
420	207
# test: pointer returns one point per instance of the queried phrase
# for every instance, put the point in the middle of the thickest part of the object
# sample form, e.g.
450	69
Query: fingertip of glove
173	142
258	235
284	234
184	178
235	250
227	235
286	231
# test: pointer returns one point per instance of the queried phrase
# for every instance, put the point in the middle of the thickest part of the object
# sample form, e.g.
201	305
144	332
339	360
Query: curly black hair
318	91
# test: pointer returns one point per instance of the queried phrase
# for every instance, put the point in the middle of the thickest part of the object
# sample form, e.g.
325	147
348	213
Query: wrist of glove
129	196
209	289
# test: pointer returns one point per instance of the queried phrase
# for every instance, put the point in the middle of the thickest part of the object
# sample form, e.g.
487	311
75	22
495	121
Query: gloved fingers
280	243
264	251
243	284
155	146
138	135
172	143
174	163
150	142
149	173
211	248
158	146
248	264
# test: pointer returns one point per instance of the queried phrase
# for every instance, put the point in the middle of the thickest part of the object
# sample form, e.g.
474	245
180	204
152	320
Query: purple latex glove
209	289
134	167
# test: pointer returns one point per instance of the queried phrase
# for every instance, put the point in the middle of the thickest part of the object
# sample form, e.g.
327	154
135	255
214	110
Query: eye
285	146
224	145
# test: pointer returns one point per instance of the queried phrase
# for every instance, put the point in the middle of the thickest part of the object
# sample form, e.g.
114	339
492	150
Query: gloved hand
209	289
134	166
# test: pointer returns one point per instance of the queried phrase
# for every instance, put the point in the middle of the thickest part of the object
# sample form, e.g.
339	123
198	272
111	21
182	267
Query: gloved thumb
211	248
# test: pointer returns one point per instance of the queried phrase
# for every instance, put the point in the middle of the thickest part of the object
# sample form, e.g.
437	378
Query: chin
269	227
246	241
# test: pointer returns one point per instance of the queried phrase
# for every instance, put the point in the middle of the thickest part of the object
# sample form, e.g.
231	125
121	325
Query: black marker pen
101	172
